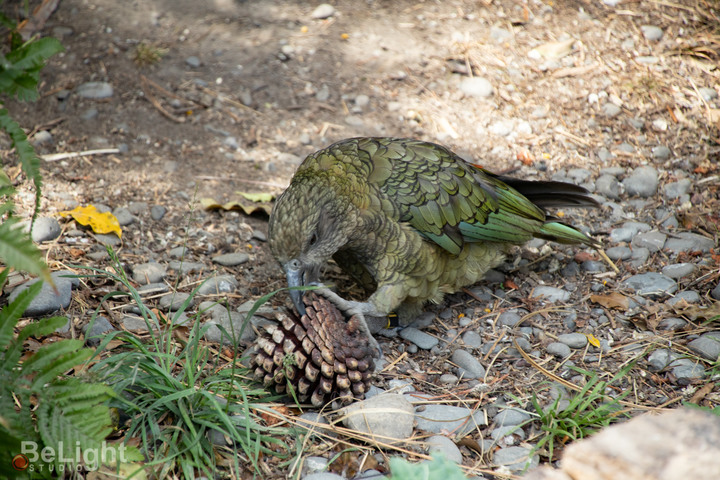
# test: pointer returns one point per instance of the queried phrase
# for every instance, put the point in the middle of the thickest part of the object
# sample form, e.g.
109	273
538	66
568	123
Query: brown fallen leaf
613	300
693	312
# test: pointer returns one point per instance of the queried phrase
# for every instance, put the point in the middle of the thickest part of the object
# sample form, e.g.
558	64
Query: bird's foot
360	310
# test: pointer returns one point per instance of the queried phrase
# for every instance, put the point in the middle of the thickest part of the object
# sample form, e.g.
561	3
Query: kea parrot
409	221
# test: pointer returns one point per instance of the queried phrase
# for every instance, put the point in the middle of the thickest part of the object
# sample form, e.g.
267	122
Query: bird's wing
446	199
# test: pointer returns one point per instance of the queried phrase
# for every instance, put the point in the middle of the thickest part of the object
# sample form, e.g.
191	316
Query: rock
678	443
511	318
95	90
362	101
123	215
438	418
153	288
322	11
157	212
559	350
661	152
185	267
515	459
476	87
193	61
445	446
689	242
687	371
419	338
661	359
573	340
551	294
639	256
672	324
608	186
511	416
386	415
708	94
231	259
715	292
651	32
619	253
707	346
41	137
152	272
678	270
642	182
136	324
468	365
677	189
323	476
96	329
651	283
218	285
472	339
45	229
174	301
610	110
47	300
688	296
653	240
628	231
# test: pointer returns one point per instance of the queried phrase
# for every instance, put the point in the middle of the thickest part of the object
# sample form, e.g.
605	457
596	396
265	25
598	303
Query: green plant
587	411
19	76
177	394
439	468
39	408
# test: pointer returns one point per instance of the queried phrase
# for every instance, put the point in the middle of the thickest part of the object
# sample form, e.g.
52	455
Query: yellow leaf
593	340
99	222
247	208
258	197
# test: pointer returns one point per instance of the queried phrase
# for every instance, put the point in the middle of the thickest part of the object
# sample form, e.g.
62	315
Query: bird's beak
295	279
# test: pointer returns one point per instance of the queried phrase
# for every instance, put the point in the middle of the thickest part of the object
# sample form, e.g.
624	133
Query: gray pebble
494	276
605	155
193	61
651	32
174	301
41	137
619	253
503	432
95	329
46	301
323	476
95	90
136	324
579	175
362	101
642	182
707	346
89	114
468	366
314	464
322	11
183	268
218	285
661	152
476	87
559	350
231	259
651	283
178	252
677	189
611	110
157	212
499	34
400	386
45	229
687	296
472	339
689	242
715	292
387	415
686	371
445	446
438	418
679	270
661	359
574	340
123	215
593	266
652	240
323	94
137	208
419	338
708	94
510	318
639	256
626	147
672	324
628	231
108	239
608	186
511	416
152	272
516	459
448	379
524	344
551	294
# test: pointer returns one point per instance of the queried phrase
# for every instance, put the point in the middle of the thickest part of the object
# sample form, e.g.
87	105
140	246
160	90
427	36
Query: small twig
156	104
54	157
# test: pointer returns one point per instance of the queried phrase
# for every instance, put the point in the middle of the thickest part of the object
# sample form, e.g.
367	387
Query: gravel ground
204	101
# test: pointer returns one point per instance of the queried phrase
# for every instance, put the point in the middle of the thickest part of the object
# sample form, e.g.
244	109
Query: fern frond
19	252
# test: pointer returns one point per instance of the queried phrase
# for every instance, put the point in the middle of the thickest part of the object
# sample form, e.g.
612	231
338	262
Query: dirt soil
211	98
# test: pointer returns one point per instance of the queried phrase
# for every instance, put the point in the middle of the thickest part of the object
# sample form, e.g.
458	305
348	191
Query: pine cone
320	355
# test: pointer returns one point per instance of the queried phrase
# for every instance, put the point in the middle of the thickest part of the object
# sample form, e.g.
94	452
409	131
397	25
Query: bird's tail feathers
546	194
562	233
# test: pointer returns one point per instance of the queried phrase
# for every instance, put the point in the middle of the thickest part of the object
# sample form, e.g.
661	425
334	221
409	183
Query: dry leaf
99	222
613	300
552	50
693	312
593	340
257	197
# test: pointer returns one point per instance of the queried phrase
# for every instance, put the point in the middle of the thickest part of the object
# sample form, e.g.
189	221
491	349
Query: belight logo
20	462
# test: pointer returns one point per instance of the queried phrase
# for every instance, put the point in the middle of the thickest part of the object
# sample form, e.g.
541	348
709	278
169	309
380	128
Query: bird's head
306	229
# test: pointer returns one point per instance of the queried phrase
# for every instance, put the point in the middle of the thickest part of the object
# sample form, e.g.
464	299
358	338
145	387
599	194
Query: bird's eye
313	239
